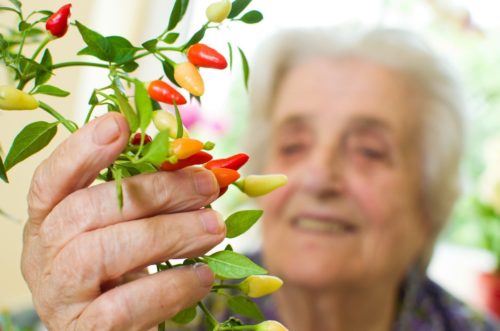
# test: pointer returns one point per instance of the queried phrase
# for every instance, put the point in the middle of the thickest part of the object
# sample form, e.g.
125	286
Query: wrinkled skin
82	257
345	132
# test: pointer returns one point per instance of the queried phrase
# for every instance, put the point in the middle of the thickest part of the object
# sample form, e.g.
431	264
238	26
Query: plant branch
71	126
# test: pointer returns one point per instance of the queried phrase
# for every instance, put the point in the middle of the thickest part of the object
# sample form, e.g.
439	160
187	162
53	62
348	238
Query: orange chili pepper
185	147
225	176
187	76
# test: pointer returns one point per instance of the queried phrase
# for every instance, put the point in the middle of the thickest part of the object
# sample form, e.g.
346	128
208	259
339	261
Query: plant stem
41	47
167	59
72	127
237	327
79	64
211	319
89	114
221	286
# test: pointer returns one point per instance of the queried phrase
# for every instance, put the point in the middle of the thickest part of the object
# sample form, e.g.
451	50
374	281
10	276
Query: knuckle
69	218
160	229
107	315
163	193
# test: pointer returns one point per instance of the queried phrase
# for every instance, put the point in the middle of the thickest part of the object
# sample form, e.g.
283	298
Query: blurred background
466	32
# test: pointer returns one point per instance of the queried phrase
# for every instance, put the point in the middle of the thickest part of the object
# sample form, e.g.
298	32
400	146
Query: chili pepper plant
140	100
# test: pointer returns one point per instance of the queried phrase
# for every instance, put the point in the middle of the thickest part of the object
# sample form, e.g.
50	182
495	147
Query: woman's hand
79	247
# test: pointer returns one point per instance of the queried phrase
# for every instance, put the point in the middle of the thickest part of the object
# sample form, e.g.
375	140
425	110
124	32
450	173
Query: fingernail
205	183
106	131
212	221
205	275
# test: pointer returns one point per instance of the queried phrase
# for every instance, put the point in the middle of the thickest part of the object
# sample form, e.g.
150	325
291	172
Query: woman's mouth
323	226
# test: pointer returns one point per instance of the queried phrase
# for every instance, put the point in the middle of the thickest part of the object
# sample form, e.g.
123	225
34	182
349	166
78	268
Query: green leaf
138	168
229	248
23	25
117	175
177	14
230	56
114	49
157	151
143	105
245	307
45	12
178	118
34	32
2	8
29	66
98	45
185	316
246	67
3	43
196	38
30	140
239	222
93	98
150	45
3	172
50	90
171	38
122	51
43	76
231	265
168	69
130	66
252	17
125	108
16	4
237	7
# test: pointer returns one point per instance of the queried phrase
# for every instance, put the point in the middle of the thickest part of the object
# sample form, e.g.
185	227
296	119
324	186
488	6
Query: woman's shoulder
427	306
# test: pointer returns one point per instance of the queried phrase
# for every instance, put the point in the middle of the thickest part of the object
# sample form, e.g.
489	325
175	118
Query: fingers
144	303
143	196
106	254
76	163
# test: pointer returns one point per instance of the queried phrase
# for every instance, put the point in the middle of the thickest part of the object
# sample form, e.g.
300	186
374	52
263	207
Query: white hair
442	126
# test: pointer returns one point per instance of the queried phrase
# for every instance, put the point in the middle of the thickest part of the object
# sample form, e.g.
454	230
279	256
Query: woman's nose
323	173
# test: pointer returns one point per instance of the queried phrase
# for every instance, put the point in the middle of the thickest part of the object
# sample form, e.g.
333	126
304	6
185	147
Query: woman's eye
371	153
291	149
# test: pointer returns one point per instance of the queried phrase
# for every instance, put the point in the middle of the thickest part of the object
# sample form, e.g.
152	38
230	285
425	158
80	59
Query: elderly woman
367	127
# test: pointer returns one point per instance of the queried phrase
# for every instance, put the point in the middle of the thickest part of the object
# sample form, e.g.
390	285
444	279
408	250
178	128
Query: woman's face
345	133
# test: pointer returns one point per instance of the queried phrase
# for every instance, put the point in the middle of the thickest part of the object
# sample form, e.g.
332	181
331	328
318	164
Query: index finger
76	163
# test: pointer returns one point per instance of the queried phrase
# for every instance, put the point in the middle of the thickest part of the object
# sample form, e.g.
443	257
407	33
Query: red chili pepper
58	23
136	139
233	162
198	158
203	56
162	92
222	191
225	176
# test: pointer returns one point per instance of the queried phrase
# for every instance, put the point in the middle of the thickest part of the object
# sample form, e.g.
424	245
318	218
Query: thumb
76	163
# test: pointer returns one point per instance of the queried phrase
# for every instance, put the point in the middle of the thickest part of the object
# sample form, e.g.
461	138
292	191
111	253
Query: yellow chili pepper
218	11
183	148
14	99
163	120
256	286
257	185
188	77
270	326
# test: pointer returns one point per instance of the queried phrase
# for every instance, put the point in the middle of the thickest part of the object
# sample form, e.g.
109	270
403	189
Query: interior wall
124	17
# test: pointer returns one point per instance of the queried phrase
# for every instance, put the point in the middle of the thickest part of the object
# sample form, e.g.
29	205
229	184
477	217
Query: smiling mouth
323	226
